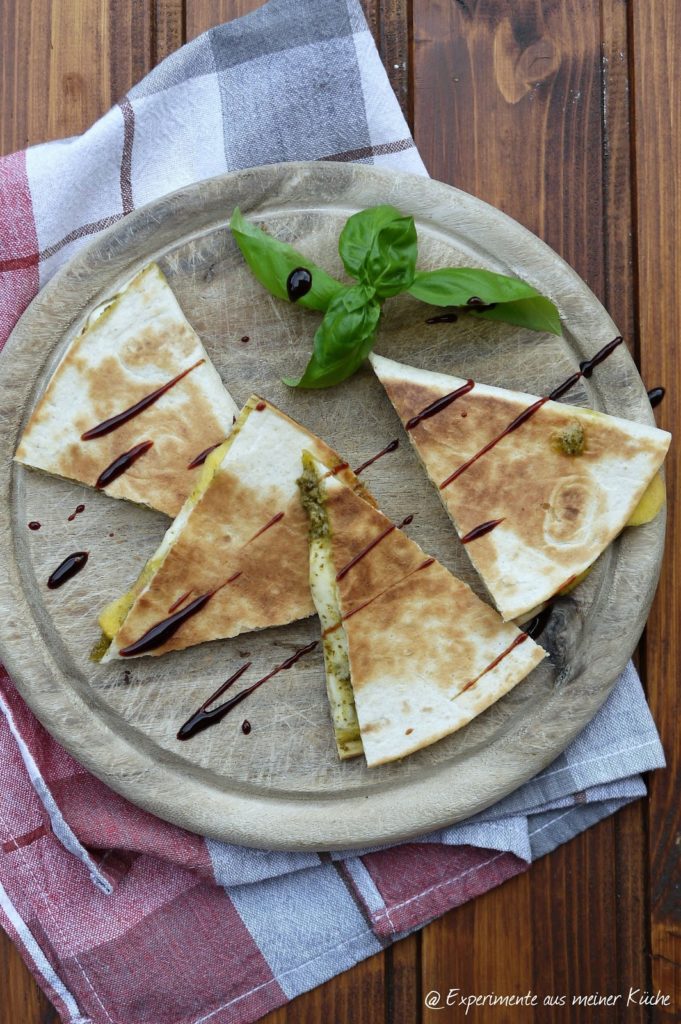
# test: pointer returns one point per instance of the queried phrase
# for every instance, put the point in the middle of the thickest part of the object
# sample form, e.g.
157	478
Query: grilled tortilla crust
421	645
136	345
255	482
564	483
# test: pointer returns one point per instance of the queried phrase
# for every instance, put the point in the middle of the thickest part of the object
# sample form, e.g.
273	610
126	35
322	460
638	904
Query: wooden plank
168	30
63	65
204	14
656	38
21	1001
525	104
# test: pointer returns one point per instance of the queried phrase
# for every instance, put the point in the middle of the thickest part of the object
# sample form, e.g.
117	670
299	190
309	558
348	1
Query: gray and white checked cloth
121	917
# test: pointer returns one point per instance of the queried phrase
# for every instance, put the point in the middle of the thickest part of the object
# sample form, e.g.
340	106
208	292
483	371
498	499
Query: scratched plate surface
282	786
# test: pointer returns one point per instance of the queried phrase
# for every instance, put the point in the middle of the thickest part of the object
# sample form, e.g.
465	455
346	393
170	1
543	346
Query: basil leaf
271	262
359	232
378	246
454	286
343	340
538	314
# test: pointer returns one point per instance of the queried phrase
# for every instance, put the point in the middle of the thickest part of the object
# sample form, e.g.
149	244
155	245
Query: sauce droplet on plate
68	568
298	283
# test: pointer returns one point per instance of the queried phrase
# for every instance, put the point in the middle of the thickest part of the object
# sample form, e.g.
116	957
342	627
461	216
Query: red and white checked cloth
123	918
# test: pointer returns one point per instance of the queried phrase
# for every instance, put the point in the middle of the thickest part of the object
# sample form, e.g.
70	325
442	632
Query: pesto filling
325	596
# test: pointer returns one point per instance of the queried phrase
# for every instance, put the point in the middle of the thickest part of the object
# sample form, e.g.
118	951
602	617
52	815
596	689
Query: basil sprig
379	249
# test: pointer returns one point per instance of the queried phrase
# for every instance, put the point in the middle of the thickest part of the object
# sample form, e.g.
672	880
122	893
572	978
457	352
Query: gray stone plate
282	786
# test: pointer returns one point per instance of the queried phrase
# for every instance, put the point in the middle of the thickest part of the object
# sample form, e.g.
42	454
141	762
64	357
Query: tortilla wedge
405	642
235	558
131	347
537	507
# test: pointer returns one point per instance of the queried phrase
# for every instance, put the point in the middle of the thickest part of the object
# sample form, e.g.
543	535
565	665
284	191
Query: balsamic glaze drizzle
439	404
68	568
393	446
160	633
121	464
586	368
298	283
76	512
481	530
199	459
34	525
365	551
114	422
203	718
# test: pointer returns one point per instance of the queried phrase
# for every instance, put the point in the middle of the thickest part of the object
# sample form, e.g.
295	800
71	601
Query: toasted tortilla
240	537
131	346
563	484
420	652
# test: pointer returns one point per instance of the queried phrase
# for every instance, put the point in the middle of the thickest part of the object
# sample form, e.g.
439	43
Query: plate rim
291	823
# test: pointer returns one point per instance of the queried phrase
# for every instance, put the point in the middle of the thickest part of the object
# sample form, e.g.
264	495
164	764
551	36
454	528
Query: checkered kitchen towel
124	918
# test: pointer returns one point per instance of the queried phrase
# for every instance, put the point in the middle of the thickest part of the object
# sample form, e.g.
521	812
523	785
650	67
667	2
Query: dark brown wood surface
568	117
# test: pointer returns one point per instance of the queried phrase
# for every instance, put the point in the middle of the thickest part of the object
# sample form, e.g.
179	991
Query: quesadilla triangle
235	558
411	653
133	401
536	489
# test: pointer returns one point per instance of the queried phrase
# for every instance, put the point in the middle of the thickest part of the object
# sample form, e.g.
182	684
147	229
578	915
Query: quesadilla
411	653
133	402
536	489
235	558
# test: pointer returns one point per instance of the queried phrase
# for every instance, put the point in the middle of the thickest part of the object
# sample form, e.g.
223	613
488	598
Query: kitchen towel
121	917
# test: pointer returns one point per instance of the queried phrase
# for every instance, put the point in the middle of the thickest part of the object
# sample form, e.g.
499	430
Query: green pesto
571	440
313	500
100	648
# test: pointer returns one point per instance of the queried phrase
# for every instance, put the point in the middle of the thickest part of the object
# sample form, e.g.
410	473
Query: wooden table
568	117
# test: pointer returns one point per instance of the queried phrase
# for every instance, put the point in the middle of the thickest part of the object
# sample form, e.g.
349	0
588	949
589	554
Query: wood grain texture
655	40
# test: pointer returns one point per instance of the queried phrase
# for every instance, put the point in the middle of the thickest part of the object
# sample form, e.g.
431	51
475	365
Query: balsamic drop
68	568
298	283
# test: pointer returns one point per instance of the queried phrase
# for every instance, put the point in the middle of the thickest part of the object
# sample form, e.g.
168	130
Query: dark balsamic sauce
359	607
76	512
393	446
114	422
245	727
203	718
245	339
656	395
481	530
261	406
176	604
199	459
479	305
365	551
167	628
34	525
121	464
159	634
586	368
298	283
272	522
517	422
443	318
68	568
520	639
439	404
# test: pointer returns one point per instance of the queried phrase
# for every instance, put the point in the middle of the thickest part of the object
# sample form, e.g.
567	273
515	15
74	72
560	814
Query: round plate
282	786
